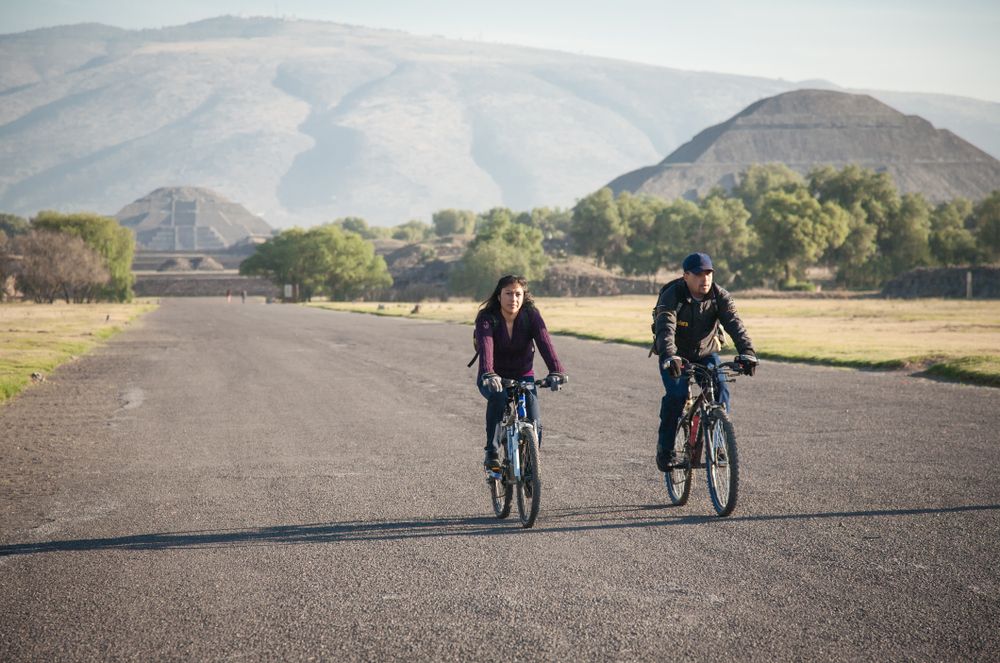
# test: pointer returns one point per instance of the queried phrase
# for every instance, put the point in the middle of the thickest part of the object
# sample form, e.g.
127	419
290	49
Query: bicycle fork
514	451
512	438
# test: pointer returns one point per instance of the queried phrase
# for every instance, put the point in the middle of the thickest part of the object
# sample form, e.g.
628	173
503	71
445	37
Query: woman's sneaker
492	462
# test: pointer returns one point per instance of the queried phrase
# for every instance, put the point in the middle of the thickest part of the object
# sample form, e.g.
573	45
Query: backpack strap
493	322
658	311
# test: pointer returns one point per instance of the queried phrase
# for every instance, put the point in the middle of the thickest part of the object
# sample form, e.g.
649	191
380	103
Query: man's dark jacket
688	328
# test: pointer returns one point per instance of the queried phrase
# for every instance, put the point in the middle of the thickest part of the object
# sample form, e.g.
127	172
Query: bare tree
59	265
8	266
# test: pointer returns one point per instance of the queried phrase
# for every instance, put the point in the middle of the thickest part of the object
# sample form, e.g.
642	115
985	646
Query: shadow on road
576	520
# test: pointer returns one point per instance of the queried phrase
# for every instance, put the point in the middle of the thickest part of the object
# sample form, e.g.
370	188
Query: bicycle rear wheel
722	463
529	488
500	490
678	479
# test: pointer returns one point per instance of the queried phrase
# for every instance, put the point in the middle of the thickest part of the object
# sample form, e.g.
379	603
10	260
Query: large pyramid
809	128
189	219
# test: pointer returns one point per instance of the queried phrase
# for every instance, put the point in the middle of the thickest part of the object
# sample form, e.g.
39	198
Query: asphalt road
260	482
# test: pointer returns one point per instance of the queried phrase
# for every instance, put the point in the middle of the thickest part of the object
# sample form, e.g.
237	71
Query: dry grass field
40	337
956	339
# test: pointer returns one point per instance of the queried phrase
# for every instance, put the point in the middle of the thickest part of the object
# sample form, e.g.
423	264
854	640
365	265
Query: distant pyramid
809	128
189	219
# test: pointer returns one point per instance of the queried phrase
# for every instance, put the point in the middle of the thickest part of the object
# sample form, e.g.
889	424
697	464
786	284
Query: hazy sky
950	47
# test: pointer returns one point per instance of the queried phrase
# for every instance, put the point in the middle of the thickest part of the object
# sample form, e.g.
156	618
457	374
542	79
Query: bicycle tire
722	463
529	488
678	479
501	491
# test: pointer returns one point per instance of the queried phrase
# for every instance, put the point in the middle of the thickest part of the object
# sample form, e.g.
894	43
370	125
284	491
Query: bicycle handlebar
523	383
693	370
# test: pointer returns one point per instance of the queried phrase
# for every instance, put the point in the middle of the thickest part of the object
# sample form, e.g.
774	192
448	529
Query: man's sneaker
492	462
666	461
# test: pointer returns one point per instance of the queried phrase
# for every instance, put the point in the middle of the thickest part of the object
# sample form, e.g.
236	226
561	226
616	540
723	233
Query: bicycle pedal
496	476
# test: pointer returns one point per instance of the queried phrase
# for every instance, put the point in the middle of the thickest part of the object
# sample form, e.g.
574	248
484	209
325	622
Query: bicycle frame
513	424
699	410
705	426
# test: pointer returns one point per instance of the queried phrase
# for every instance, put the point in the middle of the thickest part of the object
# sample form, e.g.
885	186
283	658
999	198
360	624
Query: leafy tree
662	240
987	224
951	239
721	230
597	229
795	231
357	225
412	231
323	259
501	247
113	242
12	224
642	254
759	179
493	223
857	251
453	222
553	222
904	244
874	193
901	223
350	266
288	258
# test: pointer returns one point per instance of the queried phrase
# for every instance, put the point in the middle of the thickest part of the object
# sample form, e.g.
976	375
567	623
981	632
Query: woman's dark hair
492	303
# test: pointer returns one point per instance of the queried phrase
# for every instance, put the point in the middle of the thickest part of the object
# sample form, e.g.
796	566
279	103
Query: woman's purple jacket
512	357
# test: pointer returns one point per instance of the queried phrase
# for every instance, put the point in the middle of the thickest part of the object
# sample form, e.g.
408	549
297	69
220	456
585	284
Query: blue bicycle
520	465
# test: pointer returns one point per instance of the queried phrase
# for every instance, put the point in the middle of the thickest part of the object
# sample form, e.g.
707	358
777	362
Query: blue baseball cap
696	263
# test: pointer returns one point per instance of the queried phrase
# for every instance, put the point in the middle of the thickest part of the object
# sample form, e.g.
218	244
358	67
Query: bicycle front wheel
722	463
678	479
529	488
501	491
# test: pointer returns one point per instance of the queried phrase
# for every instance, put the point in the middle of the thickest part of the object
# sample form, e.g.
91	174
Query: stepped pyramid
189	219
809	128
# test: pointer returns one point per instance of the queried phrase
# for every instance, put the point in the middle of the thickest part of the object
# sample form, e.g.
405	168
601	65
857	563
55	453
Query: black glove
556	380
748	364
492	382
674	366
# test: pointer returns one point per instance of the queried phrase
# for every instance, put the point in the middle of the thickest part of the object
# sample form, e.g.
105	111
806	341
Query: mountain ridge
806	129
306	121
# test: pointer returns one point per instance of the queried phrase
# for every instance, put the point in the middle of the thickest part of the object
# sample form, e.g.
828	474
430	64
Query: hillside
808	128
303	122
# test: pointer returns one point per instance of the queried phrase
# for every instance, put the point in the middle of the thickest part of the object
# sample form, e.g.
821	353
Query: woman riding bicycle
508	326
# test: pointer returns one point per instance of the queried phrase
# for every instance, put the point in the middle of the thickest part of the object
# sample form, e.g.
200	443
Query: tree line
768	230
775	224
79	258
772	227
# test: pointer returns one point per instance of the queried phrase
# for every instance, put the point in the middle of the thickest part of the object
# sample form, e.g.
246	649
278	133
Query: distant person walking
243	294
229	295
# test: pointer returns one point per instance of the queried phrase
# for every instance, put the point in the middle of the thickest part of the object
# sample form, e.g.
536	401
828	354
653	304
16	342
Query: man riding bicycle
686	327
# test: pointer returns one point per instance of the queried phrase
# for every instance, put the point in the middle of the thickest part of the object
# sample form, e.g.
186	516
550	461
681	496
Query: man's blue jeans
495	404
672	404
